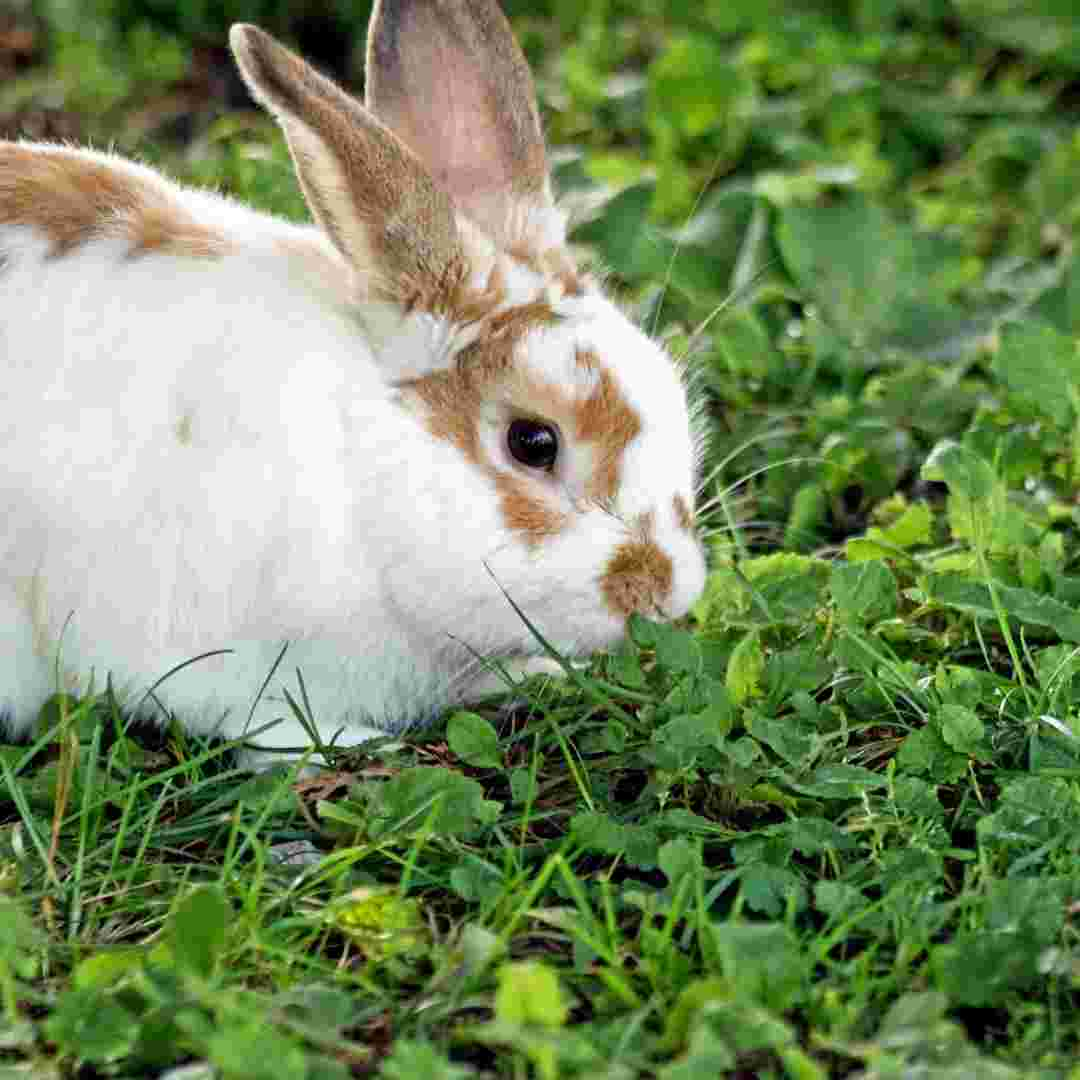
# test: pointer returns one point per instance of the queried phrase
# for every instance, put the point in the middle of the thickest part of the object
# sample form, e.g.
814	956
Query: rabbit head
556	452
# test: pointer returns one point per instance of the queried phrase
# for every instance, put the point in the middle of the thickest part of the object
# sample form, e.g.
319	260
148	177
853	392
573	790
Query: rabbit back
181	418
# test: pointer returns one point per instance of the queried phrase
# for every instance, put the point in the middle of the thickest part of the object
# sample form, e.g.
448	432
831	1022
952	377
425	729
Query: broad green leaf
840	782
626	666
745	669
838	898
523	786
769	889
963	730
20	939
809	508
1019	919
687	740
381	922
912	528
480	947
529	993
426	797
850	257
966	594
677	650
197	931
638	844
331	1008
763	960
925	751
474	740
92	1027
870	276
917	797
1042	367
477	881
691	1000
1035	817
256	1050
864	592
814	836
800	669
411	1059
1060	306
621	234
743	348
679	859
106	968
961	469
764	590
781	735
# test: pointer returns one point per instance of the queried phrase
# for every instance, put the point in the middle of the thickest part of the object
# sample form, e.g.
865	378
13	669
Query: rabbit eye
532	443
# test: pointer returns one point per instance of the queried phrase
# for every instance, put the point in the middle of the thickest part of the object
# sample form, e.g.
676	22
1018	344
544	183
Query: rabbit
222	433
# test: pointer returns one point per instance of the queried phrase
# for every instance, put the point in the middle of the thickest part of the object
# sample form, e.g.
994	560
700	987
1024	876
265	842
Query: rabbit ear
449	79
364	186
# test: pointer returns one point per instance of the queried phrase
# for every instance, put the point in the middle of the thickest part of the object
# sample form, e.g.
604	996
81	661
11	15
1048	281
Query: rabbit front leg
512	673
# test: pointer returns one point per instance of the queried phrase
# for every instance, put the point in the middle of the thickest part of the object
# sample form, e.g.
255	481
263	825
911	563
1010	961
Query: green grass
830	829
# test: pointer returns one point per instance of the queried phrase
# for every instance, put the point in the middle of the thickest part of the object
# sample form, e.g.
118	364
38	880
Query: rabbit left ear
448	78
366	189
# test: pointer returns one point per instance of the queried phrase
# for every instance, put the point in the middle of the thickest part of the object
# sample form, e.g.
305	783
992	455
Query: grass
832	828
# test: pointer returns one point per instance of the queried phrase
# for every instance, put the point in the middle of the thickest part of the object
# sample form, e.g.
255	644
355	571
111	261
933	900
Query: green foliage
829	827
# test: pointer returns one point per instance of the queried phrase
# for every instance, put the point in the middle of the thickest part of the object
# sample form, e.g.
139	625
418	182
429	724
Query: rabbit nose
638	579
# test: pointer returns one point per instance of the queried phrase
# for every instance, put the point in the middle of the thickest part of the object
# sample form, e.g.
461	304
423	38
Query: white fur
208	453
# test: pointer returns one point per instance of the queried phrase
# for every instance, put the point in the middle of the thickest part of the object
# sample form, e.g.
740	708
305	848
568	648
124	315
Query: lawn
831	827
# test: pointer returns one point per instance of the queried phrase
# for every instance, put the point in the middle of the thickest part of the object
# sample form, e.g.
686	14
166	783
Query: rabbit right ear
369	192
449	79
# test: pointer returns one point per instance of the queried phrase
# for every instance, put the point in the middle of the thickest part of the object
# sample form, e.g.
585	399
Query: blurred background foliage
836	203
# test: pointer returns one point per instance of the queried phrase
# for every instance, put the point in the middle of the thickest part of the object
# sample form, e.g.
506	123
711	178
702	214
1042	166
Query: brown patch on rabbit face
451	399
638	576
606	420
525	514
73	198
683	514
450	403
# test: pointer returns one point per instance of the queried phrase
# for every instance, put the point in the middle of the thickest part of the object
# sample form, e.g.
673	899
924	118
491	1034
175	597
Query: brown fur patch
364	186
450	403
451	399
684	515
526	514
554	263
73	198
637	579
609	423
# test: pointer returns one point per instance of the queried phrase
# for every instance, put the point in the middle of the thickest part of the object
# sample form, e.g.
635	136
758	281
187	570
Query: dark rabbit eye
532	443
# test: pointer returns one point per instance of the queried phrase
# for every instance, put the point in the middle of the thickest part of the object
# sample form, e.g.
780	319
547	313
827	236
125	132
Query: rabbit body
221	433
202	456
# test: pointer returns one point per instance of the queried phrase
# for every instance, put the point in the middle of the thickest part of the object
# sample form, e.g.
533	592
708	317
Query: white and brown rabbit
221	431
